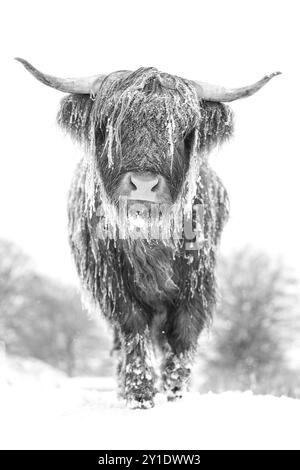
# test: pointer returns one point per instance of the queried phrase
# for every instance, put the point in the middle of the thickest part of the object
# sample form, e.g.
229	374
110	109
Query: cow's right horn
85	85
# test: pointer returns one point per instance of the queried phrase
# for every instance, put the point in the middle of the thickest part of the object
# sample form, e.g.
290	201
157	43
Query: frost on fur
147	122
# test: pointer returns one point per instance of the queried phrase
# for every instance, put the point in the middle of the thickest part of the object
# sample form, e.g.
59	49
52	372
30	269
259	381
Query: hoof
174	394
140	404
174	397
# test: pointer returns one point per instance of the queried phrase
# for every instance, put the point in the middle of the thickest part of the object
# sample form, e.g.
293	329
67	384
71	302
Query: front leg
176	373
182	330
137	371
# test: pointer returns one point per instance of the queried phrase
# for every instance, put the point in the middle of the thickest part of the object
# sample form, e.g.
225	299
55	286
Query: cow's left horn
209	92
67	85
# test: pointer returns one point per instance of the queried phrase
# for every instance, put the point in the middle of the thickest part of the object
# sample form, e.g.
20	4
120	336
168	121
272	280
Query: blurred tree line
256	327
43	319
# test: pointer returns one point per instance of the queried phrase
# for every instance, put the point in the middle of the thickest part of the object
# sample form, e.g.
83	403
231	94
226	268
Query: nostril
132	185
155	187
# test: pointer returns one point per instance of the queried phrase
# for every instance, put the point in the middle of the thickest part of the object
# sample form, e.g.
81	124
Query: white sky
225	42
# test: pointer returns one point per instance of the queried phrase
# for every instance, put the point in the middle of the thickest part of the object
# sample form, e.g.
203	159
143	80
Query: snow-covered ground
42	409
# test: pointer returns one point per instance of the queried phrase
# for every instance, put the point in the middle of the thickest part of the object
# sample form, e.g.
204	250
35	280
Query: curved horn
209	92
67	85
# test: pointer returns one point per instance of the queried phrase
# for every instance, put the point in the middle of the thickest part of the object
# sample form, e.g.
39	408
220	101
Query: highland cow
146	137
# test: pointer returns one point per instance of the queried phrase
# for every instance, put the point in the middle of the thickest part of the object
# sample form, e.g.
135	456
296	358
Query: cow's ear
74	116
216	124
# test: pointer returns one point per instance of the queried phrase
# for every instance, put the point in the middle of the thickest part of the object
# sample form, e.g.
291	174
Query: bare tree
15	272
255	324
44	319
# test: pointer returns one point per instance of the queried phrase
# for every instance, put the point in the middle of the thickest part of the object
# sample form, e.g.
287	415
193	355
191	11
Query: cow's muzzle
148	187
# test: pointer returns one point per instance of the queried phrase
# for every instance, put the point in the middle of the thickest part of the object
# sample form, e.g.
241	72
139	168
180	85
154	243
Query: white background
231	43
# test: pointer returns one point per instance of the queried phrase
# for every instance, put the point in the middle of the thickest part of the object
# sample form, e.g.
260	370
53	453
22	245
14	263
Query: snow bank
84	413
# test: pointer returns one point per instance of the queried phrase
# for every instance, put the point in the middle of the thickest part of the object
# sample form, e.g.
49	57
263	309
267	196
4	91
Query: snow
41	408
